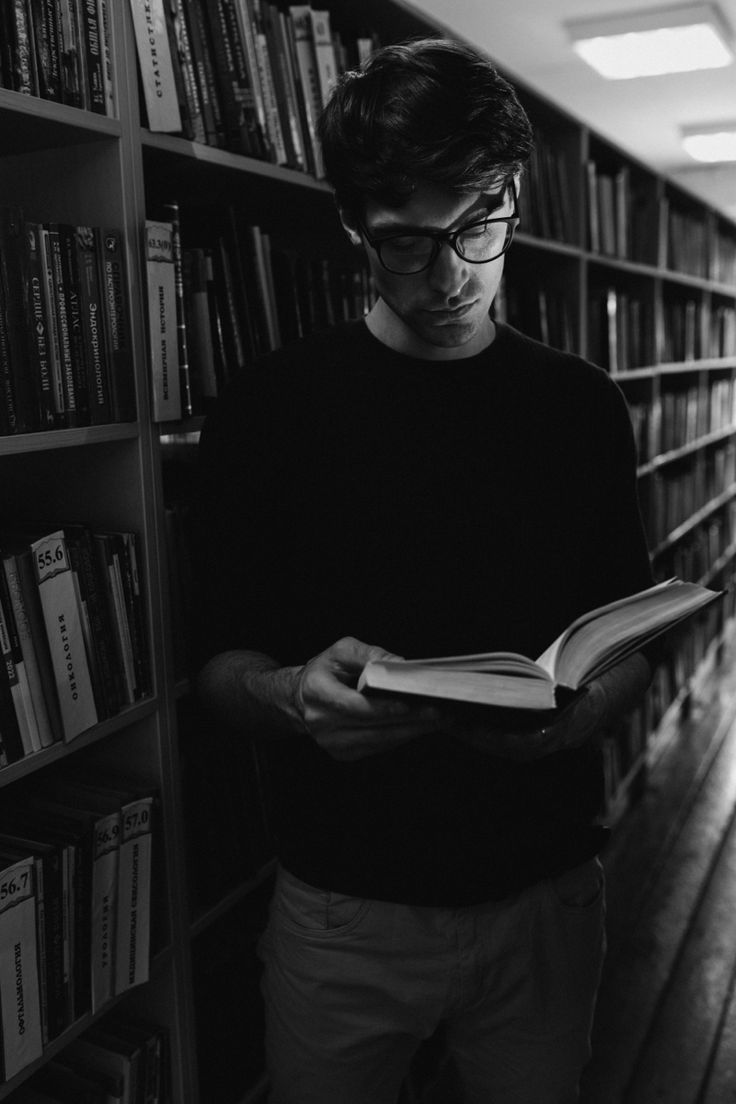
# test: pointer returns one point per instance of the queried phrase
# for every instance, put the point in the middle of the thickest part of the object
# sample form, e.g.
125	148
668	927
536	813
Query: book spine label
163	348
19	993
65	634
155	66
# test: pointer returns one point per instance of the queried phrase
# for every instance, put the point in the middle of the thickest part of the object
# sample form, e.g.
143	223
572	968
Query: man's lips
451	314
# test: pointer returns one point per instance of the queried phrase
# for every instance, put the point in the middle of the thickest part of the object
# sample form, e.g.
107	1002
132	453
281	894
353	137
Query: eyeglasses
477	242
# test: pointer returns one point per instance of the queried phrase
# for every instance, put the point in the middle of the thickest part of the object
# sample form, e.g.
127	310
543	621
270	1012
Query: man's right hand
345	723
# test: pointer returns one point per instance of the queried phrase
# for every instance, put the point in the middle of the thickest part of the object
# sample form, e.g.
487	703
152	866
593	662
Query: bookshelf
612	260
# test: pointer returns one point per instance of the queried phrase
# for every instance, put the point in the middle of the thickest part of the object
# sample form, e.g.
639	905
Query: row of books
542	312
698	555
243	75
121	1060
685	242
65	343
723	258
622	218
679	493
544	198
75	876
73	634
59	50
721	330
621	329
690	413
213	308
625	746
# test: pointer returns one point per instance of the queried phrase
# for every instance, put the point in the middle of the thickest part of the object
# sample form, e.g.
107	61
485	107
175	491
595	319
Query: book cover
63	620
155	66
20	1007
163	347
591	645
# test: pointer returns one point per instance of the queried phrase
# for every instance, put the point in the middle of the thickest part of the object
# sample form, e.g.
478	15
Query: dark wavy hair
431	110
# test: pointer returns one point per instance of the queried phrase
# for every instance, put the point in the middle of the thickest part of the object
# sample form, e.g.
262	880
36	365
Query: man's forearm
249	690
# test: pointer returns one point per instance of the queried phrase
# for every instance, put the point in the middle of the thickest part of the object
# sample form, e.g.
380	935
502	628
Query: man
421	482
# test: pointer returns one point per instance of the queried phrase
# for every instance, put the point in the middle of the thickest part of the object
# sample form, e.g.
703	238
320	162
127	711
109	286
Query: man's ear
349	226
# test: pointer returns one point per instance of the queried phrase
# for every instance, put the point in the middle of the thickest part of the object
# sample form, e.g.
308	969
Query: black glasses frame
440	237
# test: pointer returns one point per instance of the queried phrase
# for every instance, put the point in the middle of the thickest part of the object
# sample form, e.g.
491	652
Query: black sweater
431	508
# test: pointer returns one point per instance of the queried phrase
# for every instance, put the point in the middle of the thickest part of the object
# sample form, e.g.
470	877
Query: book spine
23	62
245	24
19	992
62	322
14	276
110	246
211	106
163	349
324	53
104	17
72	71
301	22
181	49
12	656
155	66
134	895
28	650
28	585
171	212
93	59
72	294
64	630
93	326
48	414
54	344
104	907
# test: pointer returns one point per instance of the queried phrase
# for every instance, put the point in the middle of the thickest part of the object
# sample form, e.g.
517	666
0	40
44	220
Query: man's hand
345	723
604	700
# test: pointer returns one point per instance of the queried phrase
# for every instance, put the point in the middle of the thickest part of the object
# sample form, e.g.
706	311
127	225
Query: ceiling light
651	43
711	143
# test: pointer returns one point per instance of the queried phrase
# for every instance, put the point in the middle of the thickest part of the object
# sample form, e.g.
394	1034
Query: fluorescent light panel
712	144
655	42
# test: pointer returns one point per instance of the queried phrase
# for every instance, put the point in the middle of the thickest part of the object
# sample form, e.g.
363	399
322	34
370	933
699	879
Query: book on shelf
11	655
17	61
155	66
162	324
20	1008
113	278
591	645
23	599
199	37
190	103
133	929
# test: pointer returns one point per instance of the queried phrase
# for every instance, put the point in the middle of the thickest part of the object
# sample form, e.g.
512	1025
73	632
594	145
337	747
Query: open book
589	646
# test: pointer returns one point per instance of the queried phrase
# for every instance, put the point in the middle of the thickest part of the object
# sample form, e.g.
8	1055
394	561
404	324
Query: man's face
442	312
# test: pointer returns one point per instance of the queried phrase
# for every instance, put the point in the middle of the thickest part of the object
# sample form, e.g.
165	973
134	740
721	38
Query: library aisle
665	1027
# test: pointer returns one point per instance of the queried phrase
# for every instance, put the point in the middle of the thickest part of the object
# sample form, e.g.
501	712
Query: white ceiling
527	39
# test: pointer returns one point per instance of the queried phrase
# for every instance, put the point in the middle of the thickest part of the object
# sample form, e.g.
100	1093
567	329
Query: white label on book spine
155	66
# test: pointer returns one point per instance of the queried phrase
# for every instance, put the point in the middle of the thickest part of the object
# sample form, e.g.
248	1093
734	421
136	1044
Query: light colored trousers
353	986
